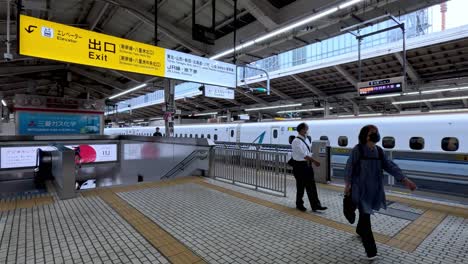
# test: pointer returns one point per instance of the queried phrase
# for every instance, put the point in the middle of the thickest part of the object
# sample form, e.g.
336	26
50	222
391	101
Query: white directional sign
218	92
187	67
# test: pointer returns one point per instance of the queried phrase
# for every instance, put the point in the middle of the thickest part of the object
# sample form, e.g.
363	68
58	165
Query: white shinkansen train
425	133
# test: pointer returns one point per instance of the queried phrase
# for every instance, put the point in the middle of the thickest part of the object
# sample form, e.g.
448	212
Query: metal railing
265	171
196	154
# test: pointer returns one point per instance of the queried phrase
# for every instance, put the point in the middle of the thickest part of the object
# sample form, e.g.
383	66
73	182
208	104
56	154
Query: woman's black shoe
319	208
301	208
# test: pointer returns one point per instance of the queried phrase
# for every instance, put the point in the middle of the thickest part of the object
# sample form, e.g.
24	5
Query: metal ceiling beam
102	91
396	106
99	16
230	20
212	102
188	101
251	96
278	92
350	78
176	34
412	73
185	106
18	70
97	78
308	86
263	11
197	11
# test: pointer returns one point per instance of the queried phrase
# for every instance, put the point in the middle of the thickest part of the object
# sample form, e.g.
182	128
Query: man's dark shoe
301	208
319	208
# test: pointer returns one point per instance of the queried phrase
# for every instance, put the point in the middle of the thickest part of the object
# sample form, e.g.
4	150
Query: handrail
185	162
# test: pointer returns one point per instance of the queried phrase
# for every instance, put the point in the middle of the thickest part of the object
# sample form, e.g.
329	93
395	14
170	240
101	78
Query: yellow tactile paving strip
25	203
407	239
447	209
292	211
414	234
167	245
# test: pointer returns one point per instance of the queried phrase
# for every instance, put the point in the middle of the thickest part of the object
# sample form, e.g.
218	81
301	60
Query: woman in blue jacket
364	180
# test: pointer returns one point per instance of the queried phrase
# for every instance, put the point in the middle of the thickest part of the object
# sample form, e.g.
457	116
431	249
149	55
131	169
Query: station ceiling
445	62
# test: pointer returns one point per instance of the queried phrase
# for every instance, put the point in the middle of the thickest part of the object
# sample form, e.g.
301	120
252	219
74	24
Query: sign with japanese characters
383	86
42	123
187	67
218	92
49	40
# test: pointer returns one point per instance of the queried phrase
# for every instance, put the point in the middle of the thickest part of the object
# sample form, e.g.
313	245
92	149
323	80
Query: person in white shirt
303	171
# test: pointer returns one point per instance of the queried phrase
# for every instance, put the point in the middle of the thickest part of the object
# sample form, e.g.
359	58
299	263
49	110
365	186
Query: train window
323	138
202	136
208	136
416	143
232	133
196	135
215	137
291	138
342	141
191	136
275	133
388	142
185	135
450	144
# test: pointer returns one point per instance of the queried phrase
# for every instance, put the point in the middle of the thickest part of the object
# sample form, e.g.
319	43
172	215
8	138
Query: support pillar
229	116
355	109
326	111
169	90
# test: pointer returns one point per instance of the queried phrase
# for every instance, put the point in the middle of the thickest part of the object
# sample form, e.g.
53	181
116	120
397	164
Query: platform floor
196	220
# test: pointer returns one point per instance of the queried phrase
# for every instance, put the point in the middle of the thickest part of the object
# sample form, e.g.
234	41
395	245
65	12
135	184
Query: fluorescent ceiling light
449	110
287	28
205	114
302	110
454	89
390	95
349	3
445	90
273	107
128	91
138	120
374	114
156	118
431	100
4	103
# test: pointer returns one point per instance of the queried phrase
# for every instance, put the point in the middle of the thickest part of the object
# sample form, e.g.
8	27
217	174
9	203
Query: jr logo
260	138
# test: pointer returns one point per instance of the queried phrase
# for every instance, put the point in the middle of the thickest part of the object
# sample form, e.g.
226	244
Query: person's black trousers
364	229
304	175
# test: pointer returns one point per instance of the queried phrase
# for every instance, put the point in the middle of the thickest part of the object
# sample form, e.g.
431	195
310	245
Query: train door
274	135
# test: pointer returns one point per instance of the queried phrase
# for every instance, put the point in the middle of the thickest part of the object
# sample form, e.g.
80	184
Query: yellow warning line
166	244
294	212
447	209
415	233
25	203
